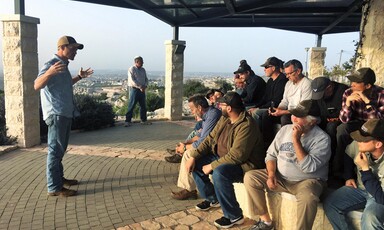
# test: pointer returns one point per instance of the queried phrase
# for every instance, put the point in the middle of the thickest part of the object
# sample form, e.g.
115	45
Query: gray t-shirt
314	166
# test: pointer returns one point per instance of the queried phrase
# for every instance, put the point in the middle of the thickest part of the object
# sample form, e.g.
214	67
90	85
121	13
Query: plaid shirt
358	110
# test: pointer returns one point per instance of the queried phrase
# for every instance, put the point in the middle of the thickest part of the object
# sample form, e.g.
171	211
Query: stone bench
284	211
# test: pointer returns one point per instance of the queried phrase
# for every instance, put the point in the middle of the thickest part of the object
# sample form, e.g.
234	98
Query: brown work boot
69	182
184	194
63	192
173	159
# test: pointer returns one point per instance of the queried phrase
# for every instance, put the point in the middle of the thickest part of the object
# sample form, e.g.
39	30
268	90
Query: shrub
94	113
4	138
192	87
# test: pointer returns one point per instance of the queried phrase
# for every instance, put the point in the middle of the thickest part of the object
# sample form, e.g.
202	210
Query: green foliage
192	87
4	138
223	85
154	101
95	113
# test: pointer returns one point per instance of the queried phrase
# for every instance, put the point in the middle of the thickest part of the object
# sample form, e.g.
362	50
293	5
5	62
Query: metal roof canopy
309	16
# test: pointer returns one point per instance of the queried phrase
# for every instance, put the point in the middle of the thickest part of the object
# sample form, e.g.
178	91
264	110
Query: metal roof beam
354	6
230	6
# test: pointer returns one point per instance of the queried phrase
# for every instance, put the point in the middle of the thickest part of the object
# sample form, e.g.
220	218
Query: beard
224	113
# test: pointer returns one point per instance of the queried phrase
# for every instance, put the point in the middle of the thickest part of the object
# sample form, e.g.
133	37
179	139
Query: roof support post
176	33
19	7
319	38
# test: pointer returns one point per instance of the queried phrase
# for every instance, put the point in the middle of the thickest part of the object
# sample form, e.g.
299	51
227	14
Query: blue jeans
135	95
223	191
346	199
59	128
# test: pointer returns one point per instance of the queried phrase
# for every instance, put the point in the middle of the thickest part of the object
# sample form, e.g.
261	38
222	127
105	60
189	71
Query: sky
113	36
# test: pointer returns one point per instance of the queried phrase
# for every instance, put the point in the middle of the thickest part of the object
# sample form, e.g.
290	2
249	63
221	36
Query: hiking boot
171	151
146	123
184	195
127	124
224	222
261	225
206	205
63	192
69	182
173	159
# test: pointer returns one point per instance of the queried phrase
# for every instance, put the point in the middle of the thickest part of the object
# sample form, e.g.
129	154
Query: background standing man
55	82
137	83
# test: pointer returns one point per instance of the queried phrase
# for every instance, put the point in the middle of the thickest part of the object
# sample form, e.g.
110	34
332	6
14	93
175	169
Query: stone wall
371	48
20	63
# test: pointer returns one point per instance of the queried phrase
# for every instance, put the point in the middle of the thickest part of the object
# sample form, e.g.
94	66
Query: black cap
365	75
272	61
305	108
244	67
373	129
232	99
319	85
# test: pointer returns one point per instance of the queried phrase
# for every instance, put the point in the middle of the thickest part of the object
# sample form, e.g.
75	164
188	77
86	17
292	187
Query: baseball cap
244	67
319	85
232	99
274	61
366	75
211	92
68	40
373	129
305	108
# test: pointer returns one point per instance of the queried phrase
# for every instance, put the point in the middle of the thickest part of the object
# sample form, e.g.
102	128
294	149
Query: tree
223	85
192	87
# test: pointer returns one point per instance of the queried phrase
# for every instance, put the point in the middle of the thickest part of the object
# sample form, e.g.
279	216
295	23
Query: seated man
297	89
329	94
368	194
254	87
233	147
209	115
362	101
297	163
273	92
212	96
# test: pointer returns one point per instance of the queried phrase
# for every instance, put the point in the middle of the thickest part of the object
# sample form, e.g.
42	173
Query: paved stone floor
124	183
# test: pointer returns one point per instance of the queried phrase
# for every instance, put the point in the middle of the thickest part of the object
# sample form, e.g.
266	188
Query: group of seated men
322	123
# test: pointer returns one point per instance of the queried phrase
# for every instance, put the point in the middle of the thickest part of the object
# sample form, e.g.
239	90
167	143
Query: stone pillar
174	73
371	47
20	63
316	62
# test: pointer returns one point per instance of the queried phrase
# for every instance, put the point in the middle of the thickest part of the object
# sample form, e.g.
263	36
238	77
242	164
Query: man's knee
372	219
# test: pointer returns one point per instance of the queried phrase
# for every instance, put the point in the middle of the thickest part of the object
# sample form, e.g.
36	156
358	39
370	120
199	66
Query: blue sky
113	36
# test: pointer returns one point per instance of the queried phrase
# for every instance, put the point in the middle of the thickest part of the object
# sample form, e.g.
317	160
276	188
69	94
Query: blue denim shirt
210	119
57	96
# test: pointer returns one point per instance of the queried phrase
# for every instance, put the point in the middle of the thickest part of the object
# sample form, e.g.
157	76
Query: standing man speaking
56	92
137	83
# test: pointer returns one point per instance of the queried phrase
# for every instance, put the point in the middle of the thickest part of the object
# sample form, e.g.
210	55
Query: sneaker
261	225
146	123
127	124
206	205
63	192
184	195
224	222
171	151
69	182
173	159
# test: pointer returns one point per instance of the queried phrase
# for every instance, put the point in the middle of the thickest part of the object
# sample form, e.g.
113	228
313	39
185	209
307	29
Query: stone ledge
283	209
7	148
